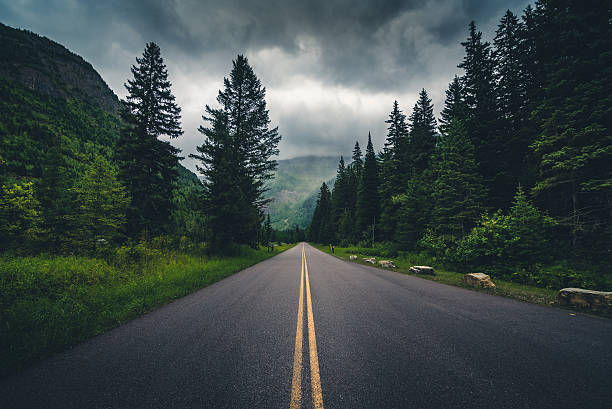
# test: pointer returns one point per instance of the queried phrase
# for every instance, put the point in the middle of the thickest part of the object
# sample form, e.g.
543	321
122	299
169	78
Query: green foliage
236	158
518	240
148	165
20	216
101	203
322	226
367	209
458	194
574	146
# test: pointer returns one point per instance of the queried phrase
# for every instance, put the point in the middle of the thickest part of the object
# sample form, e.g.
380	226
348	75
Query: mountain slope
48	67
56	114
295	187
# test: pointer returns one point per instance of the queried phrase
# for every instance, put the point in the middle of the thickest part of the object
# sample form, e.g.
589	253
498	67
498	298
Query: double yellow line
315	376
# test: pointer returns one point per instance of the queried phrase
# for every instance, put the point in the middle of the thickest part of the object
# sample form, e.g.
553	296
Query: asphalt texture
384	340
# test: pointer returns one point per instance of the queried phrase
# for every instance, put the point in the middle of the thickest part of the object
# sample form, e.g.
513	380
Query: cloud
332	68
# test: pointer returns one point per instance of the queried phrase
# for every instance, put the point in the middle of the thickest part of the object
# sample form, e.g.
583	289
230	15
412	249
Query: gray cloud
332	68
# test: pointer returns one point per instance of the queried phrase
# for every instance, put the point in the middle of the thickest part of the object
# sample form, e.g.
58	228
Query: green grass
52	302
536	295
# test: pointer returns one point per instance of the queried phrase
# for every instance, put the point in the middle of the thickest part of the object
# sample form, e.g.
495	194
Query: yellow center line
296	384
315	377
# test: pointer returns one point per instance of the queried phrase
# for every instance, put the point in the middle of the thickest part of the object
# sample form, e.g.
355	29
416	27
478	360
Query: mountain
295	188
49	68
56	114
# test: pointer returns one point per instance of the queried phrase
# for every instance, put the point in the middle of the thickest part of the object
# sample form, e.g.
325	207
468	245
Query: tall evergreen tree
367	211
357	157
339	196
454	106
236	157
422	133
482	122
516	133
458	191
395	168
575	143
320	226
148	164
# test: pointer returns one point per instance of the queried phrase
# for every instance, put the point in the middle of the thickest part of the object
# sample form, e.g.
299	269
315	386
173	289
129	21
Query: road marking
315	377
296	383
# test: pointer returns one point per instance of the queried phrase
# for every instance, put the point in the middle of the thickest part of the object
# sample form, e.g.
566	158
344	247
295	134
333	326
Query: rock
579	297
370	260
478	280
422	270
386	263
352	257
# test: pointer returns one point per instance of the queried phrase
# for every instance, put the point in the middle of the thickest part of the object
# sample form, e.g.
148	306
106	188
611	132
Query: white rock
422	270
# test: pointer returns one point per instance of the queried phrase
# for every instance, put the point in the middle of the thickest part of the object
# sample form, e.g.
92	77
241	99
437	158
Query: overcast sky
332	69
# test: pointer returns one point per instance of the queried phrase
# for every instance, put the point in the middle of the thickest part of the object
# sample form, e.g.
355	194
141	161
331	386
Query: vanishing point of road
307	330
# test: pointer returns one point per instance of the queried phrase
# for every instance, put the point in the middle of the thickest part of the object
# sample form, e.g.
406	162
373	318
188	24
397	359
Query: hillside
48	67
56	115
294	189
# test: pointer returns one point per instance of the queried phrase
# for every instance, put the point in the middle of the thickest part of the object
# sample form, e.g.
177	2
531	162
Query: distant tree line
517	170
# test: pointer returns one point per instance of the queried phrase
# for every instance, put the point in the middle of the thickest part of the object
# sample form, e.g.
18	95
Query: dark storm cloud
332	68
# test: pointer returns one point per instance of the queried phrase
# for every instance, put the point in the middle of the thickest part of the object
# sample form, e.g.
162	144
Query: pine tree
458	192
394	168
321	219
516	132
236	157
339	197
422	133
367	196
454	106
148	164
574	147
357	157
482	123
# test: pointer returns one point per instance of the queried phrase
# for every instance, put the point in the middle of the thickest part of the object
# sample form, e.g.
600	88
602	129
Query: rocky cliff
49	68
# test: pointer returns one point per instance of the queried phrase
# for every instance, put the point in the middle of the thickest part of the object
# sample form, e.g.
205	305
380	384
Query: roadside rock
370	260
422	270
352	257
478	280
579	297
386	263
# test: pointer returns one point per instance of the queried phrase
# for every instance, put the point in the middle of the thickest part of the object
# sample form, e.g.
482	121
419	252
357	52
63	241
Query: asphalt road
381	340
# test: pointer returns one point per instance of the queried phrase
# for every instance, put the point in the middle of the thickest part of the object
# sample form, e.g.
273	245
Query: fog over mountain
332	69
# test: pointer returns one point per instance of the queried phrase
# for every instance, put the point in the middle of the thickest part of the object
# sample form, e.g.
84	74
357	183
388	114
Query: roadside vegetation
513	179
50	302
445	274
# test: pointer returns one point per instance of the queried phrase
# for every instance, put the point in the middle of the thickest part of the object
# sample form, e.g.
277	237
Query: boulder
370	260
478	280
422	270
352	257
386	263
593	300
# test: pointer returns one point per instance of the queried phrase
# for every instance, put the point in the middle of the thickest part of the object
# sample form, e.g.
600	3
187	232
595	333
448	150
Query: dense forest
515	177
84	173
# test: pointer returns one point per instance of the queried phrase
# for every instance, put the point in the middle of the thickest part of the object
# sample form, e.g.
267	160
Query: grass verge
50	303
536	295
